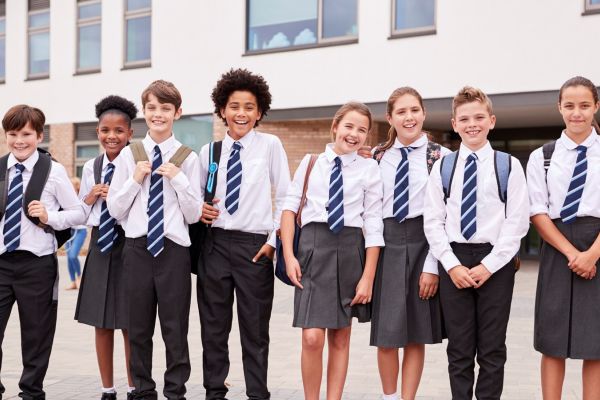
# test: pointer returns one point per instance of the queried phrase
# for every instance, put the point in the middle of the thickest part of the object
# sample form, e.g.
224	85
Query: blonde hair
345	109
396	94
470	94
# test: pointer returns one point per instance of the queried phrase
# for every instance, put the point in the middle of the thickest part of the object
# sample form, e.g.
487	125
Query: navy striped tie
106	230
234	179
335	217
12	217
400	206
468	208
569	210
156	231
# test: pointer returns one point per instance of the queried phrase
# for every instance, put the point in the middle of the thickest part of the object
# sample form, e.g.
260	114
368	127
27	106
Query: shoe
109	396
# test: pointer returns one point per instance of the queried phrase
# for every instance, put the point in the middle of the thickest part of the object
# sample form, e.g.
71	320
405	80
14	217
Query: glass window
194	131
39	41
89	35
84	150
592	5
276	24
414	15
2	40
138	32
88	151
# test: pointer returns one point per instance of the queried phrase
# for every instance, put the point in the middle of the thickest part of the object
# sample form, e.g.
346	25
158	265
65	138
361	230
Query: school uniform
400	317
249	168
332	262
566	305
154	216
102	299
28	272
476	319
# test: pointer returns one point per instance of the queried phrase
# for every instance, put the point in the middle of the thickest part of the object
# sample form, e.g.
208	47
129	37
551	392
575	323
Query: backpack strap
138	151
434	152
502	166
180	155
447	167
214	157
3	184
37	182
309	168
98	169
548	150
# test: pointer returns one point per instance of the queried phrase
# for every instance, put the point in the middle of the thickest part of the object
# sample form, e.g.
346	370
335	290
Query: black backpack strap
434	152
548	150
447	172
98	169
3	184
214	157
37	182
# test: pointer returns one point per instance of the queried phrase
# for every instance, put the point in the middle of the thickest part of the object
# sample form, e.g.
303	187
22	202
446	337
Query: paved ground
73	370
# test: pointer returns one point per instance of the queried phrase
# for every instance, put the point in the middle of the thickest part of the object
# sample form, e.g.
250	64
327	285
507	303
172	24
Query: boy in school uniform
28	266
155	201
475	235
238	254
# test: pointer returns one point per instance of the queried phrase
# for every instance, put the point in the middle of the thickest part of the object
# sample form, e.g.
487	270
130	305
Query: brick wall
62	145
3	148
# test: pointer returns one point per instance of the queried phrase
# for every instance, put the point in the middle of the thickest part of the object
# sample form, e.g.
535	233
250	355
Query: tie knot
20	168
338	162
110	167
237	146
405	151
156	149
472	157
581	149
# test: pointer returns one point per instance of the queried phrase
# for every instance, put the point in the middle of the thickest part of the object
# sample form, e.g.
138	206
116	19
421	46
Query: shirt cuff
272	239
449	261
431	266
180	182
52	219
492	263
374	240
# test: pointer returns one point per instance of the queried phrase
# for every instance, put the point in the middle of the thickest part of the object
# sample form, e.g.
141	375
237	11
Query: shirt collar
244	141
165	146
345	158
483	153
29	163
571	145
416	144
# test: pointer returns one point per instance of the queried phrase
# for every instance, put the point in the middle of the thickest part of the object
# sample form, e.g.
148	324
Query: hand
142	168
461	278
365	152
93	195
364	292
293	271
584	264
209	212
480	274
168	170
428	285
37	209
266	250
104	191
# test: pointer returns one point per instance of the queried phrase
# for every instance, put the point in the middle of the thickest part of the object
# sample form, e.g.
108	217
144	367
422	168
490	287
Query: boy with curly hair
238	254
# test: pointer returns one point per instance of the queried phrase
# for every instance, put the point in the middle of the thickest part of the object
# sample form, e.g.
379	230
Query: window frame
411	32
80	161
3	36
128	15
590	8
321	41
83	22
33	31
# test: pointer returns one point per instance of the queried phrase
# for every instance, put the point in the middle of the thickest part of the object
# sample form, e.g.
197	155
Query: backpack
35	187
548	150
433	154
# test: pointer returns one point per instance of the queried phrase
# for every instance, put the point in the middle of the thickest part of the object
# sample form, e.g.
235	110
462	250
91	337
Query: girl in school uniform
565	209
406	309
102	300
332	271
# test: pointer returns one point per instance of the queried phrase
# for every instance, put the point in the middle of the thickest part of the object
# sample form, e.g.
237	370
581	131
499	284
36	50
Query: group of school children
418	240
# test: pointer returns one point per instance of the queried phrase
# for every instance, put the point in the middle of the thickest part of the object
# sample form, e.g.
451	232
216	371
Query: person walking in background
73	247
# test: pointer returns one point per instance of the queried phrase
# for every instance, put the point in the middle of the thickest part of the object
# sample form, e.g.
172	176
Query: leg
591	379
127	357
313	340
338	341
389	367
80	235
105	341
173	287
412	369
7	299
553	376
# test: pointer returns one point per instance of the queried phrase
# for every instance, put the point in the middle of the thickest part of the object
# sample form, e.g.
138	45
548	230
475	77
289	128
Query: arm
364	289
279	175
89	191
293	270
187	186
72	212
429	279
123	188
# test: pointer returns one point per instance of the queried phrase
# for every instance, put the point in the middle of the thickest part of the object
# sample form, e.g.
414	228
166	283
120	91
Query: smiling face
113	133
350	133
23	142
407	118
241	113
472	121
160	117
577	108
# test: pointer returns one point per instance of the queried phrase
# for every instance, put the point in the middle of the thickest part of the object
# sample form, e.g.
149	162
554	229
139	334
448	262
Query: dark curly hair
117	105
244	80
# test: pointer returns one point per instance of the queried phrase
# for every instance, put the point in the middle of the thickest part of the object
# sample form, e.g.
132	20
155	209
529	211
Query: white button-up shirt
87	182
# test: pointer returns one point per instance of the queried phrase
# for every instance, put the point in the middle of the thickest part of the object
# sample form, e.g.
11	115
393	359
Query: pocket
255	171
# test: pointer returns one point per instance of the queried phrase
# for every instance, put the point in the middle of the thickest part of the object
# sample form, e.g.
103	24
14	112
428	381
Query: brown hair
18	116
586	83
164	91
345	109
470	94
396	94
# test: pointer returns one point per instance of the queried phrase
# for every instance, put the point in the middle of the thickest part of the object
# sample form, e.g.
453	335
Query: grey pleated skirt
102	300
400	317
332	264
567	307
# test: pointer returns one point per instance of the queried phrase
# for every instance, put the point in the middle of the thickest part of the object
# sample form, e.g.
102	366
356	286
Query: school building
63	56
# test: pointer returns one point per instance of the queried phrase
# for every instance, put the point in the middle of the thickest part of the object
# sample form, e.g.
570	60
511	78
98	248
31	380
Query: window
592	6
2	40
194	131
38	32
285	24
88	35
138	15
413	17
86	145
